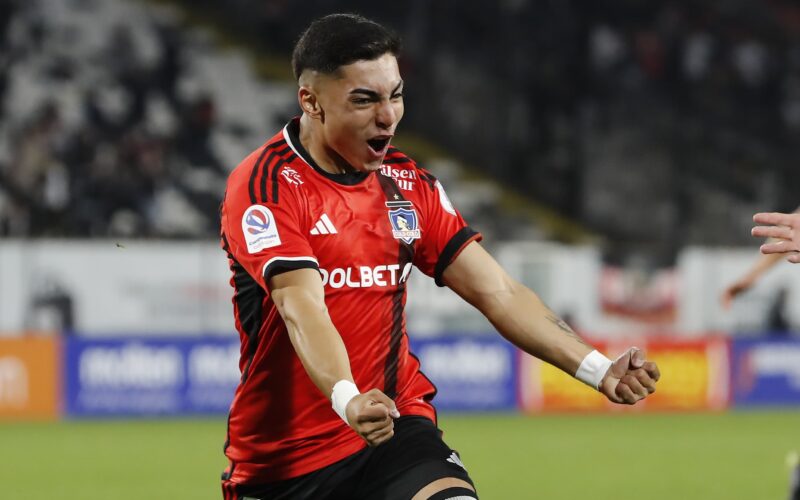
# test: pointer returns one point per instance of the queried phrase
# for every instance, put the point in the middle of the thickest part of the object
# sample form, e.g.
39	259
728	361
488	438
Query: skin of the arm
762	265
776	248
299	297
525	321
514	310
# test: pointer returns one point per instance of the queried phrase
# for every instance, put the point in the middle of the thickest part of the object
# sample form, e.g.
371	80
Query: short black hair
340	39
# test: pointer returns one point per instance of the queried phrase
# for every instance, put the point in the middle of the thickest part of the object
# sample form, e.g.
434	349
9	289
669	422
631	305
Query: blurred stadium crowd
110	121
623	115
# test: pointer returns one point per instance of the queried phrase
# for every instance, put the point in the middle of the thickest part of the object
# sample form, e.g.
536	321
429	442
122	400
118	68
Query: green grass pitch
739	455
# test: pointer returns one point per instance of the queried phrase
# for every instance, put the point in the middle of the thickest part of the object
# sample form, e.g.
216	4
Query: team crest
405	224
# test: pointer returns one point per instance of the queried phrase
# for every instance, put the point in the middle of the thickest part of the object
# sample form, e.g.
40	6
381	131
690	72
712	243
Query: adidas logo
454	459
324	226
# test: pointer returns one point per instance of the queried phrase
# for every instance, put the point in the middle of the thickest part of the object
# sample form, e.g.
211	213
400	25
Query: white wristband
343	392
593	368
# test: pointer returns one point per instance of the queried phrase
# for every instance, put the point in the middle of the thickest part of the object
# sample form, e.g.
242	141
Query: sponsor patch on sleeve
444	200
260	229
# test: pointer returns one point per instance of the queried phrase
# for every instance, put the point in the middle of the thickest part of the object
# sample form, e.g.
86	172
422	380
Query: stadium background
612	153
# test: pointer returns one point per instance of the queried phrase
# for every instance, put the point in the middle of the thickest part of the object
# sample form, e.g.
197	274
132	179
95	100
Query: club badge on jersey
259	228
404	220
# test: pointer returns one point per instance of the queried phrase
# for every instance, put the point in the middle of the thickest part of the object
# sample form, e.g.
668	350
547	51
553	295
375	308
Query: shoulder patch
260	229
444	200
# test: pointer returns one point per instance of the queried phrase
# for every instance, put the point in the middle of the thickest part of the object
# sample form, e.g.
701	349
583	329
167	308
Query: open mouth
378	144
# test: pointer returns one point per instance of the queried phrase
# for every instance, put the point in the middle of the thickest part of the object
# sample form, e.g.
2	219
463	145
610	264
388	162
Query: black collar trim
291	133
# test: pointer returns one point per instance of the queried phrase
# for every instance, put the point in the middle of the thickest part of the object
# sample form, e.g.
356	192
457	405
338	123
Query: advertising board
29	377
470	373
695	375
149	377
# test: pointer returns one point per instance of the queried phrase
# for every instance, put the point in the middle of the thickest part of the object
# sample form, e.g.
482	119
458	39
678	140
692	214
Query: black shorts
396	470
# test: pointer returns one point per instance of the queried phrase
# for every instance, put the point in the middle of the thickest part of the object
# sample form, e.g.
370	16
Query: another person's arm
785	229
522	318
300	299
774	250
762	265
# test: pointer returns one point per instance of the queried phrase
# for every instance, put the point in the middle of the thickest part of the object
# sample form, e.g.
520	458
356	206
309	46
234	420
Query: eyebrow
372	93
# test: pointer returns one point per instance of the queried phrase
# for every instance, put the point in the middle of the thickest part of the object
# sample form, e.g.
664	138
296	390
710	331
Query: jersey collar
291	132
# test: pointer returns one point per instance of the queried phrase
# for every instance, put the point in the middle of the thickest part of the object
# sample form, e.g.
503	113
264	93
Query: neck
312	139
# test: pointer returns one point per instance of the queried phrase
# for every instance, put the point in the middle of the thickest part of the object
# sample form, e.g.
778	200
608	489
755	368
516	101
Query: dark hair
340	39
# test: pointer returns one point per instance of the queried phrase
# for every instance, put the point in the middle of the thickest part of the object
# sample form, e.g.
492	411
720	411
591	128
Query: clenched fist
631	378
372	415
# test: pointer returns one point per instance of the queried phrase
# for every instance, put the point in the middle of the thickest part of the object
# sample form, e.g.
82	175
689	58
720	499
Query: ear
309	103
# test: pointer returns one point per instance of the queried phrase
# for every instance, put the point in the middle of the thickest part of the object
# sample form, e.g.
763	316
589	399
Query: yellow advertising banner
29	368
694	376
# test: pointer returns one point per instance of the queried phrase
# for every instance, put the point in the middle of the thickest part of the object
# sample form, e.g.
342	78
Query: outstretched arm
300	299
784	237
785	229
522	318
738	287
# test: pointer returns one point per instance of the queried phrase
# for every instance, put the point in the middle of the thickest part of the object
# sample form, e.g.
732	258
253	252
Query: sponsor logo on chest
366	276
404	178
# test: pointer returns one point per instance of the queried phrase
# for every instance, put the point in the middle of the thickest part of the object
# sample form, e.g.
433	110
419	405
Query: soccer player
322	226
784	233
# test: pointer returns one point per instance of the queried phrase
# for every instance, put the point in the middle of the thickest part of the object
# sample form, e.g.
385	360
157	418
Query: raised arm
300	299
522	318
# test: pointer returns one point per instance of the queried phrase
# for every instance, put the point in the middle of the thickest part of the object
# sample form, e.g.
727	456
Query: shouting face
355	112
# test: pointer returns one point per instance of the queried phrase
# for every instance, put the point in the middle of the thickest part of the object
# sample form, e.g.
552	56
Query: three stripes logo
455	459
324	226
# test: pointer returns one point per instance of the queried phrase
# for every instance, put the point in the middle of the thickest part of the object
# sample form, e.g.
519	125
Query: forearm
314	338
763	264
522	318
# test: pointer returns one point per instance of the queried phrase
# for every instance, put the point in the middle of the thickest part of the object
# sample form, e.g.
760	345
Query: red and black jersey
363	232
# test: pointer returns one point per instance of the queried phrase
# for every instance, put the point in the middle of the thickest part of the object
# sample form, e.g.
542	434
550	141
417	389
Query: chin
368	166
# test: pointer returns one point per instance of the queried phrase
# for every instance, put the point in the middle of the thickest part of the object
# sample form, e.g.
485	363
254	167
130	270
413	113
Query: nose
385	116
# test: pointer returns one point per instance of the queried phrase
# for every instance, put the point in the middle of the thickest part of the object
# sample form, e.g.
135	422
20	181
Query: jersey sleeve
267	238
445	233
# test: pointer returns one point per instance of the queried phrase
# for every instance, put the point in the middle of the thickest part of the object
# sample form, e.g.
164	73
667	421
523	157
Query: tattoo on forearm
563	326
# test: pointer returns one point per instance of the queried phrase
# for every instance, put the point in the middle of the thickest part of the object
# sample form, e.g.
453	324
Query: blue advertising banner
766	372
471	374
149	377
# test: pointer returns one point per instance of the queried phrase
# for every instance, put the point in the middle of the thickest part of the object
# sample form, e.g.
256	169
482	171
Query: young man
322	225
